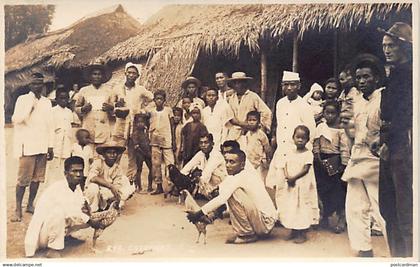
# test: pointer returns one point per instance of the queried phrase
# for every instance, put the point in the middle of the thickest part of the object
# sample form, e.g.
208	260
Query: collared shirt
289	115
254	145
96	121
57	196
253	186
100	169
216	120
213	166
250	101
33	127
367	124
332	141
62	119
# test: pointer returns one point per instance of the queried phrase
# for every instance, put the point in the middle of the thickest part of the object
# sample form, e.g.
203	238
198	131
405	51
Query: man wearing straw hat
33	140
244	101
105	180
396	178
95	103
132	98
190	87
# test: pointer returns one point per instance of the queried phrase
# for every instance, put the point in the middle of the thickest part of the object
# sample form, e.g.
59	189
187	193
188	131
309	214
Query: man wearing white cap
291	111
244	101
132	98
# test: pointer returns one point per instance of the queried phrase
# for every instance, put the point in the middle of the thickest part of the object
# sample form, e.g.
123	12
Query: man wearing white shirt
33	136
135	98
216	116
221	81
252	212
211	162
60	211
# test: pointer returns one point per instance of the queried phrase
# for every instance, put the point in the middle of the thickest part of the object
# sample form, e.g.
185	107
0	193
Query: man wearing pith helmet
396	178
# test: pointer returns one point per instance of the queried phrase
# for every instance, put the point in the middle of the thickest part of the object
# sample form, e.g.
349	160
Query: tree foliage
22	21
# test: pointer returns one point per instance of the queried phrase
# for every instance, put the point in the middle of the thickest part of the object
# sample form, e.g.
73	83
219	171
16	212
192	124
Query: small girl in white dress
297	195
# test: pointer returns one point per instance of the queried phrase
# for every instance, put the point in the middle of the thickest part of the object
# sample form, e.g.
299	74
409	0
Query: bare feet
17	217
30	209
52	253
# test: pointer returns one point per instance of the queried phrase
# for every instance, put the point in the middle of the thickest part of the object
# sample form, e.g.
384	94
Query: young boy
141	143
191	135
255	143
161	138
62	119
178	112
186	102
83	149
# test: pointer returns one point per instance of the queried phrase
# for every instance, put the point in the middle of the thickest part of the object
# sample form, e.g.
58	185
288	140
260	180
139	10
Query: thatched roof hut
172	40
70	48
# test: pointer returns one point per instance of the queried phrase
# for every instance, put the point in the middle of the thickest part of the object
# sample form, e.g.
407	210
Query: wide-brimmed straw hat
101	149
401	31
239	76
98	64
189	80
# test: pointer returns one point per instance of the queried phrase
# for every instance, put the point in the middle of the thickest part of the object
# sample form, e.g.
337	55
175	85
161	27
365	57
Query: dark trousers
396	200
331	190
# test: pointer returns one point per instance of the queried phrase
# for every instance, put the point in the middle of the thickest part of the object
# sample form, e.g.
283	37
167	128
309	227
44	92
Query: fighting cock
192	206
102	219
182	182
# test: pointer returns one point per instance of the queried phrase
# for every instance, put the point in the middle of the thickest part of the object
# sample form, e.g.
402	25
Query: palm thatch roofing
71	47
172	39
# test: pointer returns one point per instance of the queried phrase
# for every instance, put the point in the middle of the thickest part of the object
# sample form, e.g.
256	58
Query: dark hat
121	112
101	149
399	30
189	80
98	64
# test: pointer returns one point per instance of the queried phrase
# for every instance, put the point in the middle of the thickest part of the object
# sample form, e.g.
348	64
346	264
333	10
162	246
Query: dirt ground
151	227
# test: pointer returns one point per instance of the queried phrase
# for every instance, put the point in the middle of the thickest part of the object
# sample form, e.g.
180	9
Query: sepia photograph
193	130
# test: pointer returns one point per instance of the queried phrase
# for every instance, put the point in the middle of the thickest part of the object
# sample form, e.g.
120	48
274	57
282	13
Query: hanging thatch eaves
72	47
182	31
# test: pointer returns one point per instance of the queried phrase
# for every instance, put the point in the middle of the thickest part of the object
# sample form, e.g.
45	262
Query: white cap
290	76
316	87
131	64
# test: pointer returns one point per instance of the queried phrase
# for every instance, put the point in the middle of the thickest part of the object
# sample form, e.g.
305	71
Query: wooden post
263	74
295	52
336	47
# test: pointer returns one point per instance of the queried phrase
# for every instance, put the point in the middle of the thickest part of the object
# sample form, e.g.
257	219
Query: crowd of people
344	148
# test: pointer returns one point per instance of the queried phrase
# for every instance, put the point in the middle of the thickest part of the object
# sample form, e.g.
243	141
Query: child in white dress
297	189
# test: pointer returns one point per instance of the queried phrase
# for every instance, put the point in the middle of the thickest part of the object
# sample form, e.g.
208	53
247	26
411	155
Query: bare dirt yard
151	227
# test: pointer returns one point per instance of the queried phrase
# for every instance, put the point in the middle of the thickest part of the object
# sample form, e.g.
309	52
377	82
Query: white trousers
361	204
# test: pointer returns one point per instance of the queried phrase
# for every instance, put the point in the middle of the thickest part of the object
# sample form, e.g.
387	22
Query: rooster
102	219
192	206
182	182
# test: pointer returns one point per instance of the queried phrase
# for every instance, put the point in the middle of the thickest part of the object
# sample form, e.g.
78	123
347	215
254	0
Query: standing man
396	182
244	101
291	111
362	172
221	81
190	87
95	103
133	98
217	116
34	138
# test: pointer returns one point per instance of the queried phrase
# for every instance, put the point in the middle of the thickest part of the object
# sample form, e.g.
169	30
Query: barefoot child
178	114
298	188
161	138
143	153
191	135
255	144
332	152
